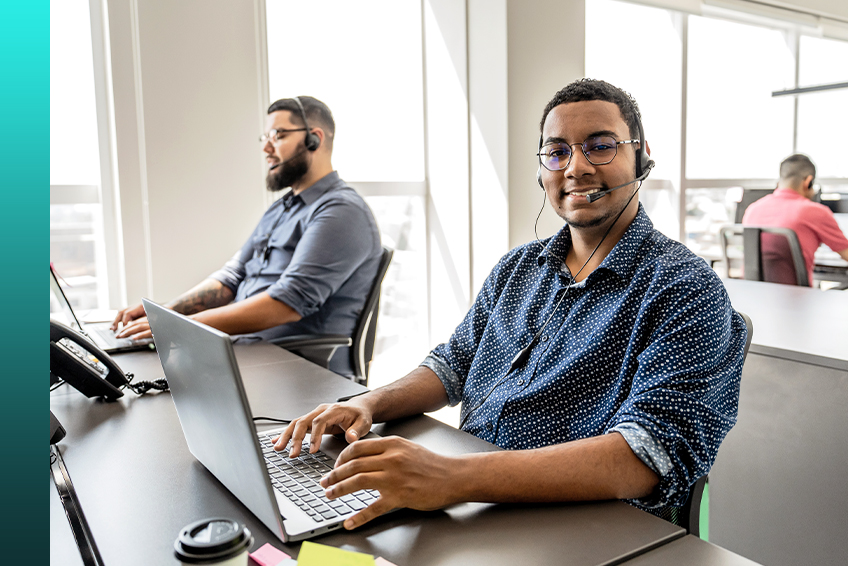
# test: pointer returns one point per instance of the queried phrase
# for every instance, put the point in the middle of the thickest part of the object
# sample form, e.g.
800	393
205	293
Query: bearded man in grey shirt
309	264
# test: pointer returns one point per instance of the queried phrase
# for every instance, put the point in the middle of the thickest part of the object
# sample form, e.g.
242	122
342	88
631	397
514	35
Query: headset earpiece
643	160
312	141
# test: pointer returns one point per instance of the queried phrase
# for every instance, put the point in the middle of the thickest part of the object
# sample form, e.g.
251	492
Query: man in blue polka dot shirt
605	360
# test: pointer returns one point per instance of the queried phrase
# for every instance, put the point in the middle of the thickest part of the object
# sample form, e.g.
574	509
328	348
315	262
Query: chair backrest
689	515
749	196
781	262
365	332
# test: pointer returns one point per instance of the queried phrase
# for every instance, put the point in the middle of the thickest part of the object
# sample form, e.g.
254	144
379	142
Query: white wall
188	108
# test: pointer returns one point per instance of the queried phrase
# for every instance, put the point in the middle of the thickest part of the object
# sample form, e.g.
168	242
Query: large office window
77	248
823	116
367	65
710	80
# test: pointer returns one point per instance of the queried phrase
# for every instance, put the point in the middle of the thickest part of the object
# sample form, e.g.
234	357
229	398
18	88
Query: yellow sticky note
314	554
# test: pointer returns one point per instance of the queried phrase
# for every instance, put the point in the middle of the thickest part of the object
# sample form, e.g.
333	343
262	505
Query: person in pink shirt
791	206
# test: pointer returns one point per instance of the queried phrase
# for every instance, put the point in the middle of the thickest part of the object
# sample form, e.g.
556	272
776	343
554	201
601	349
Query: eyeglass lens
598	151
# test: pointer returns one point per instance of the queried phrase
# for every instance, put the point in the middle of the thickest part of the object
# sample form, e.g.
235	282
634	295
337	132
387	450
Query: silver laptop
217	422
100	333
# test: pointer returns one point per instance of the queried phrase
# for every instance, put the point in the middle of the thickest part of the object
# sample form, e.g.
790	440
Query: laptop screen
60	308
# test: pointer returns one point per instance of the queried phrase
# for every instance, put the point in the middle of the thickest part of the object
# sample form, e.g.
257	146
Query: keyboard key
356	505
330	515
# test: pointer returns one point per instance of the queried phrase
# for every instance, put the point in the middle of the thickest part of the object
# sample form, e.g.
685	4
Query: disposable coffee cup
218	541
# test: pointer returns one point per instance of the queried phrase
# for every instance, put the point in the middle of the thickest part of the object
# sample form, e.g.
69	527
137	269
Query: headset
644	163
312	140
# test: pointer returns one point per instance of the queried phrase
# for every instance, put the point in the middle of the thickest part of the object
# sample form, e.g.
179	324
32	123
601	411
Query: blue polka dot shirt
647	345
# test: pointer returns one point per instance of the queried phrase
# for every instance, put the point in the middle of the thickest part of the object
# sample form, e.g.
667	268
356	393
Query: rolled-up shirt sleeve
684	395
233	272
338	239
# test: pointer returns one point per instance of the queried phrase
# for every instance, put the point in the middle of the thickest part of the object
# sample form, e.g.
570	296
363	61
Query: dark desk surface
690	551
797	323
139	485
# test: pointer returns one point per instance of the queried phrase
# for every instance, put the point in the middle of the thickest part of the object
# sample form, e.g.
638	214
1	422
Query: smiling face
572	123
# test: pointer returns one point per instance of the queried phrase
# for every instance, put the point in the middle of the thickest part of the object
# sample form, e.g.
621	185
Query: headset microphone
595	196
298	154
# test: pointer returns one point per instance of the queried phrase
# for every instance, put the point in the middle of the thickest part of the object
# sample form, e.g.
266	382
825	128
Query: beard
288	173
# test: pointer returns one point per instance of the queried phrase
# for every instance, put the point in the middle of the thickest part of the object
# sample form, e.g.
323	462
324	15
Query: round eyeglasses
599	150
276	135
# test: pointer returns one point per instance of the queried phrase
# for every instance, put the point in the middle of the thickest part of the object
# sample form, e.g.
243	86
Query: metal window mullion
427	196
684	90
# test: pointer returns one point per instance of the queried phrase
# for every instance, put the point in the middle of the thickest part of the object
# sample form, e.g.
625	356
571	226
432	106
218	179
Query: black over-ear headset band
312	141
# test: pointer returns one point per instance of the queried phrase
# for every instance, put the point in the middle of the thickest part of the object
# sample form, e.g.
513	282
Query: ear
647	147
808	182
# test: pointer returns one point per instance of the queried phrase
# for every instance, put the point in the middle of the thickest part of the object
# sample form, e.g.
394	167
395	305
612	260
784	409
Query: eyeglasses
599	150
277	135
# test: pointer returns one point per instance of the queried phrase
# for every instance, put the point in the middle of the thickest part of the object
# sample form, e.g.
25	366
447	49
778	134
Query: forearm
208	294
418	392
598	468
257	313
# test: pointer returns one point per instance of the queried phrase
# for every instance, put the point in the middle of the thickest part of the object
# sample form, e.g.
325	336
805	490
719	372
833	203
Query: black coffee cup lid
212	540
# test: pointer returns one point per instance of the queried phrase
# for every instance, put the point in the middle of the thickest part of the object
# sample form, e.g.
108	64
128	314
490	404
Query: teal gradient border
24	218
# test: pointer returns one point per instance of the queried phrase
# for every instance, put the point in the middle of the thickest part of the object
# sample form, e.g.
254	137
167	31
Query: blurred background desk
139	485
829	265
777	490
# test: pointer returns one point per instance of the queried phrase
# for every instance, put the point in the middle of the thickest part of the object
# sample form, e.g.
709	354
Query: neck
585	240
317	171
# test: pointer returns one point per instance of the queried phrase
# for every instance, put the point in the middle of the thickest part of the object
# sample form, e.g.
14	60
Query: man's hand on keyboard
135	330
350	417
405	473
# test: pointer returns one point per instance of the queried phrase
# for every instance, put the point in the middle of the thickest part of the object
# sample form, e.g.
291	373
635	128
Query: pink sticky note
268	555
380	561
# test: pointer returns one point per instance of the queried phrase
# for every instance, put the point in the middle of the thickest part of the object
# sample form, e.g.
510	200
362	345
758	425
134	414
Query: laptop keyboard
108	336
297	479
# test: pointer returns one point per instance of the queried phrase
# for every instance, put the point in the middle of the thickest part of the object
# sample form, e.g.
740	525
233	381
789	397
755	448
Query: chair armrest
316	348
313	341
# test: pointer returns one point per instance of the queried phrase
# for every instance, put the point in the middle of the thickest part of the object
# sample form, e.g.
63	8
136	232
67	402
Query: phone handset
77	360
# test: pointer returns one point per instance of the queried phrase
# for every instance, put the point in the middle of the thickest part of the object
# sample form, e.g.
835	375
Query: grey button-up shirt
318	252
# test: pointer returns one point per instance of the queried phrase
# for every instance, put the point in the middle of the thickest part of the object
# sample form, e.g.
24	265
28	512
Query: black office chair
688	515
321	348
749	196
777	268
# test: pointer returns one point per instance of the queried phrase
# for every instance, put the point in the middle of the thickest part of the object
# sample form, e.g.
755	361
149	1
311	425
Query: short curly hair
593	89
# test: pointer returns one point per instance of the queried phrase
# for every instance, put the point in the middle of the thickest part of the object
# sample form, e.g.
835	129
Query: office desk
794	323
139	485
778	493
829	265
690	551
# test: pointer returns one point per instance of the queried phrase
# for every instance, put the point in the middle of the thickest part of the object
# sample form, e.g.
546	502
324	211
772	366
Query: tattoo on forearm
206	297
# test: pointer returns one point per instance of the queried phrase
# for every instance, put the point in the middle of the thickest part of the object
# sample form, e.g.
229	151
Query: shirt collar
323	185
620	259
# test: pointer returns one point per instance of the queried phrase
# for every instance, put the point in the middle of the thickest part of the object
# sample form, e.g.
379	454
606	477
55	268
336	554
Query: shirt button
489	426
544	338
520	382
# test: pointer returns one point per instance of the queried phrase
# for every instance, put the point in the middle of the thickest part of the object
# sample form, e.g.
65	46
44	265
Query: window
369	71
735	128
822	117
735	132
76	221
